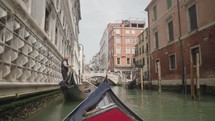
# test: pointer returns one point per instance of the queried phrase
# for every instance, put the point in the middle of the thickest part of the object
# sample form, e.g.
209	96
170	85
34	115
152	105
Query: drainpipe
181	49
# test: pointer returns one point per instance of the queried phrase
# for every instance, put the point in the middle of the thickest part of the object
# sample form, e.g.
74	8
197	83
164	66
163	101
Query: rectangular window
156	67
132	31
118	41
118	61
128	61
133	25
134	40
117	31
169	4
142	37
143	61
134	62
155	13
127	32
136	51
172	62
193	17
156	40
147	34
140	51
56	33
170	31
147	47
140	25
47	17
118	50
194	52
128	50
143	49
127	41
133	51
127	23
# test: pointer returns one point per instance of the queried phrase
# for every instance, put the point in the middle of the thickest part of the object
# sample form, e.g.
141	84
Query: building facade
142	55
122	38
179	30
103	52
95	63
82	58
35	35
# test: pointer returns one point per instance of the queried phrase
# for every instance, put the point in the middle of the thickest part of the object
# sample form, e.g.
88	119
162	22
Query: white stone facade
103	52
81	59
34	37
94	63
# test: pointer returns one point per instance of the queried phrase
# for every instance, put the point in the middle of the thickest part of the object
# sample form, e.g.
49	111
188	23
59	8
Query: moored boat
102	105
73	91
132	84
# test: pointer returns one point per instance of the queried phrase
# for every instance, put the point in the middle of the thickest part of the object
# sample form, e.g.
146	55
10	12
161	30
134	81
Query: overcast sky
96	14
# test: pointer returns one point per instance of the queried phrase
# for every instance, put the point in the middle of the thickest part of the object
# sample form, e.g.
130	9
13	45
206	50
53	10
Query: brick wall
163	56
205	39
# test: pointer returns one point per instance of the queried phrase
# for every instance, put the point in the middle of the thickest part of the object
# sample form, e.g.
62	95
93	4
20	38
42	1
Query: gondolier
65	67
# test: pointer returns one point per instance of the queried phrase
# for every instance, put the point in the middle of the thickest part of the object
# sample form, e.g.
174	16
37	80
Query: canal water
149	105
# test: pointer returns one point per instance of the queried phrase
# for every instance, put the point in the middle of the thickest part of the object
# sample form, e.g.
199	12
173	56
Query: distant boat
73	91
132	84
102	105
95	82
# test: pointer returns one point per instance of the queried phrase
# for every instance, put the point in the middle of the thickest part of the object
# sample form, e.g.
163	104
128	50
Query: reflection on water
150	105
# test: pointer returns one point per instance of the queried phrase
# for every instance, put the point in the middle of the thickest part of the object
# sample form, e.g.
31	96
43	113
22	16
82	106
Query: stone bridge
116	78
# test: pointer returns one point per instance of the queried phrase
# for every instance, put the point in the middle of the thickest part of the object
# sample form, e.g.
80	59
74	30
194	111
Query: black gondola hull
92	110
73	94
71	90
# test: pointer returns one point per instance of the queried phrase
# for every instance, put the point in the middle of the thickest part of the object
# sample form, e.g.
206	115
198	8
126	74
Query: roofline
152	1
143	31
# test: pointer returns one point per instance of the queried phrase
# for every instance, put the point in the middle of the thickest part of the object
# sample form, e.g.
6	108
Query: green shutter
169	4
155	13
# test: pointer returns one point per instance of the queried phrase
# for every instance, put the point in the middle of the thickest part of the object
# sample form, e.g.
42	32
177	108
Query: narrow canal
150	105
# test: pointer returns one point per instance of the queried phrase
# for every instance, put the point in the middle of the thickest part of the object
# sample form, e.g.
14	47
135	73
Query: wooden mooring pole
192	79
159	76
141	78
185	80
197	75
